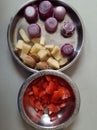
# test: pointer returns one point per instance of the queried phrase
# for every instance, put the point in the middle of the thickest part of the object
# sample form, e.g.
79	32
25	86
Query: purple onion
67	49
30	14
59	13
34	30
68	29
45	9
51	24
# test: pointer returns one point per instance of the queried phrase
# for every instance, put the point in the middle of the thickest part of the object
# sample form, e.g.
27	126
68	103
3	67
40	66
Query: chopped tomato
30	93
66	93
42	93
53	116
50	88
35	91
38	105
45	84
55	97
52	109
40	113
46	100
32	101
48	93
48	78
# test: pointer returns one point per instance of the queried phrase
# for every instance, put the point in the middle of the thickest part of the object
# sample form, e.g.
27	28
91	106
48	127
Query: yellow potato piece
19	44
36	47
36	40
55	50
49	47
57	55
53	63
42	40
43	54
63	61
26	48
24	35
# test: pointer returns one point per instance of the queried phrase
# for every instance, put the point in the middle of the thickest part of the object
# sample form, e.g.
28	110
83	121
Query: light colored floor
83	72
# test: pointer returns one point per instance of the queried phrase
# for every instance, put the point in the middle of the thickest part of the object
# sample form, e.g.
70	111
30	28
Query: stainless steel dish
77	40
44	122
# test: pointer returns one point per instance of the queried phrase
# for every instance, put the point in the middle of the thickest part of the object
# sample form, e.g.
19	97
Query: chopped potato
35	56
26	48
36	47
42	40
36	40
24	35
53	63
57	55
63	61
49	47
42	65
55	50
19	44
28	60
43	54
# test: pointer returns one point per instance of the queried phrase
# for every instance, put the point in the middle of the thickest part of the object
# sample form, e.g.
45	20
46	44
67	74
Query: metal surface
77	40
44	125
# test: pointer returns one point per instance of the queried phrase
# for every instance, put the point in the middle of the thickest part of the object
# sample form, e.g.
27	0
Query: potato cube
42	40
36	47
53	63
19	44
57	55
26	48
49	47
24	35
28	60
36	40
63	61
42	65
43	54
55	50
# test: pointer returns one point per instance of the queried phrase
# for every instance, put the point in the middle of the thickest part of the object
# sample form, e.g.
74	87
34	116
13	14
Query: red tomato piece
35	90
38	105
40	113
53	117
50	88
42	93
55	97
46	100
52	109
62	103
30	93
61	92
48	78
45	84
32	101
66	94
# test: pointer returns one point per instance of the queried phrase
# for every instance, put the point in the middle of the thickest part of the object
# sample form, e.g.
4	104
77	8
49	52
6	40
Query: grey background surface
83	72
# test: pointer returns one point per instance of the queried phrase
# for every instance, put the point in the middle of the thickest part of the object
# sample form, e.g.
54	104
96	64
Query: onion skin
45	10
51	24
59	13
34	30
31	14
